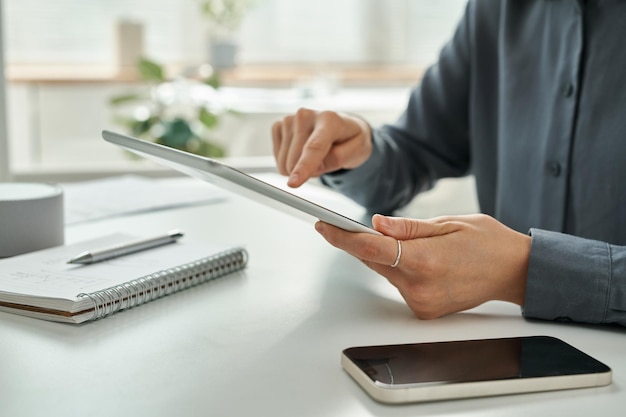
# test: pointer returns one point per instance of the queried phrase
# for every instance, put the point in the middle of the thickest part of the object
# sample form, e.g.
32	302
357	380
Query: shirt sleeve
575	279
429	141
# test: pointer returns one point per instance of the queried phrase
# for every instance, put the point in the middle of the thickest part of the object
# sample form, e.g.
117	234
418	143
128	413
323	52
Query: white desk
265	342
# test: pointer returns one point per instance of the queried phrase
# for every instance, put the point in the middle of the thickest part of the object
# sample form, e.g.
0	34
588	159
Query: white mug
31	217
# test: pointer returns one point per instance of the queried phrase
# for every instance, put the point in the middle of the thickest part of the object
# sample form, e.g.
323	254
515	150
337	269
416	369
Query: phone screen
472	361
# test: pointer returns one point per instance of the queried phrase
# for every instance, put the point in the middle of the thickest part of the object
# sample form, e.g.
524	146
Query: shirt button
568	90
554	168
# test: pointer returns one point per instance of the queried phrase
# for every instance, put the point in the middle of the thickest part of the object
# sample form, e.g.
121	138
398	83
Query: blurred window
63	58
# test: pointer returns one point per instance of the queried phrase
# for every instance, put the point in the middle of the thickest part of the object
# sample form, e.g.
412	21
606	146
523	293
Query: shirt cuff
568	278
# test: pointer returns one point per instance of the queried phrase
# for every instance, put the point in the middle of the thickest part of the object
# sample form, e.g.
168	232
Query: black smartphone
471	368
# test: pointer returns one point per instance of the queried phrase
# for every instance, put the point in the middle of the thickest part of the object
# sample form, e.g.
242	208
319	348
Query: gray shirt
530	98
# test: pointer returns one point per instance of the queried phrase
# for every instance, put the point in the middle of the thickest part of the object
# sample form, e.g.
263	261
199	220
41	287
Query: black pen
126	248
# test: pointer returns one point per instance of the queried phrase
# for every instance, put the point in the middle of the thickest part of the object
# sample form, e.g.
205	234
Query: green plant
179	113
225	15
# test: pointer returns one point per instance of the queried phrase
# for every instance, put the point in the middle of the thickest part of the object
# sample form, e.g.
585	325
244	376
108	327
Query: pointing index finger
313	153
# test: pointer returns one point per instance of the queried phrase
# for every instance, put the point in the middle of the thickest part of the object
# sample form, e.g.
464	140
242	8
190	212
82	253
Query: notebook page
109	197
46	273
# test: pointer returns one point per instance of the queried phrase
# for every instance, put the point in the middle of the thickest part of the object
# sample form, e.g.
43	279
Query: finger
311	159
285	143
365	246
316	148
424	300
405	229
303	125
276	144
395	277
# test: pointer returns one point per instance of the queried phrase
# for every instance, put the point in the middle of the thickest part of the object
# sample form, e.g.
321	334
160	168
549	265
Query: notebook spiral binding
162	283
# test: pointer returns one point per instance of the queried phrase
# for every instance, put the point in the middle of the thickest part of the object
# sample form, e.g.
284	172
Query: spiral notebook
43	285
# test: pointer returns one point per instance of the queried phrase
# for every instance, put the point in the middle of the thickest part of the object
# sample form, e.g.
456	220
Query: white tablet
231	179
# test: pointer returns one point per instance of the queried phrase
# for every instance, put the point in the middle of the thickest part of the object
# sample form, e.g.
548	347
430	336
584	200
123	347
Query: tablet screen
231	179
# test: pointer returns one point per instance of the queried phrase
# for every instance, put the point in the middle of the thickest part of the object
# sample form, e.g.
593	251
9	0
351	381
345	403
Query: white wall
353	31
